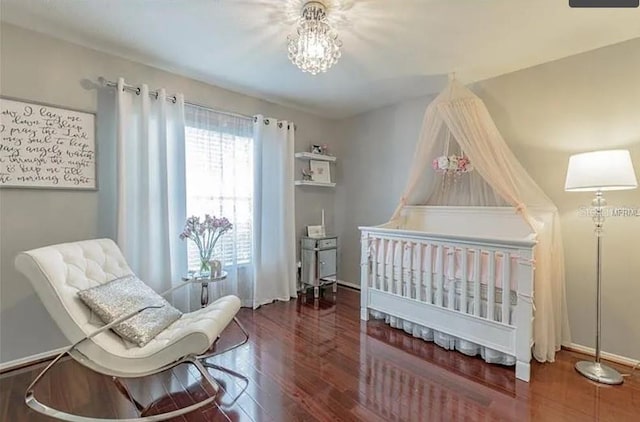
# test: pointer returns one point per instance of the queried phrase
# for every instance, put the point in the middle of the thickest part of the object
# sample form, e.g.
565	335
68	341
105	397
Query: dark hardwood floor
322	364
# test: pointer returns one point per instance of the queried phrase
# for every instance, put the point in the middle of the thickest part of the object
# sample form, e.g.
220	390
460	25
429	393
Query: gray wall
375	154
546	113
586	102
39	68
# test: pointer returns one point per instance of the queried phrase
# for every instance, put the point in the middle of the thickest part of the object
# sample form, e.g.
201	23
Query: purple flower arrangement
205	234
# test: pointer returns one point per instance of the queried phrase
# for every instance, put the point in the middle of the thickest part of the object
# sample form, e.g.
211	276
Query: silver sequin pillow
120	297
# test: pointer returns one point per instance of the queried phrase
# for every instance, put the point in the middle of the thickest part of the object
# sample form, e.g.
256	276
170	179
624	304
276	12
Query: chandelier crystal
315	47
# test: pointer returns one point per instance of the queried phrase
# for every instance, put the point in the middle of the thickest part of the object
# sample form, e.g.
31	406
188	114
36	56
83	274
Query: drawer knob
322	262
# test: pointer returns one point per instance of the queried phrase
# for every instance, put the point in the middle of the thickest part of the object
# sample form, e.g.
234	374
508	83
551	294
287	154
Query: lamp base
598	372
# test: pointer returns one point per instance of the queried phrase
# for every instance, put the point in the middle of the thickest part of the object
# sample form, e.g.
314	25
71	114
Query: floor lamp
600	171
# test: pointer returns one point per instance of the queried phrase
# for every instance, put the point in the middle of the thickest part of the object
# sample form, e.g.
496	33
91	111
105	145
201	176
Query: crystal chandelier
315	47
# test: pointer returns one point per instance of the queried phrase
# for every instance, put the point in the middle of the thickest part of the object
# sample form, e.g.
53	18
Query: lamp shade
600	170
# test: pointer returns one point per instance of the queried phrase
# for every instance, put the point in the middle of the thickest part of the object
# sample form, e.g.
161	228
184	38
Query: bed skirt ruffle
445	341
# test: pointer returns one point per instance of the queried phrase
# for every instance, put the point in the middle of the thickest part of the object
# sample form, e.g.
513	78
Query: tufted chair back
58	272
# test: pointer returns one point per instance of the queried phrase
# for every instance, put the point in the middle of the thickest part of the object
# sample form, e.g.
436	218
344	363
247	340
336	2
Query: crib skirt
448	341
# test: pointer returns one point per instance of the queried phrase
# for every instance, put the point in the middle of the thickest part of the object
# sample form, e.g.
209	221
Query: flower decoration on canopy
452	164
205	235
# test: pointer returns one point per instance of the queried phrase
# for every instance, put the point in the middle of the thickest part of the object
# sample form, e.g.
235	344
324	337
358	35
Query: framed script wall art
46	147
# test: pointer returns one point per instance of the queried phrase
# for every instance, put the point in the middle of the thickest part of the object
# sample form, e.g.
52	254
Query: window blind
219	177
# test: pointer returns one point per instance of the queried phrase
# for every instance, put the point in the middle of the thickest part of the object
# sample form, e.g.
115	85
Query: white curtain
273	210
150	186
460	116
219	160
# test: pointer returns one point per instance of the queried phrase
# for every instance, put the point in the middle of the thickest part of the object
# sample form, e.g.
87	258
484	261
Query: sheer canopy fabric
458	118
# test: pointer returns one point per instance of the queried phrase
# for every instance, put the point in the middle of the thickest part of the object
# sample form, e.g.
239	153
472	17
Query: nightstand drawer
327	243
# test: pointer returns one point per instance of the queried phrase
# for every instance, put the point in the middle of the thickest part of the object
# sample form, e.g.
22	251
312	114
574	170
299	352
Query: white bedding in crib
457	297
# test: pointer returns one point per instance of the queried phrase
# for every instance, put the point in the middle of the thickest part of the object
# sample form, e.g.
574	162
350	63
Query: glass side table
204	279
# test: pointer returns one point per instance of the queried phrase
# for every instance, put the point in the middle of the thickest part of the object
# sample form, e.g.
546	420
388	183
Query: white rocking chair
58	272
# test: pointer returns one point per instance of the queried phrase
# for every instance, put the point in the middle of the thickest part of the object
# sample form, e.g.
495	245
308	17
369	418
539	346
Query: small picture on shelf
320	171
315	231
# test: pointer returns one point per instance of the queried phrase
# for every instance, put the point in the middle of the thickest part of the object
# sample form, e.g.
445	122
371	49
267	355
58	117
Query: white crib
465	272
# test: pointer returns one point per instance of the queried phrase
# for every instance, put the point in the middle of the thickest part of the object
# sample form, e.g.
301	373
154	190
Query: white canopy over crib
458	119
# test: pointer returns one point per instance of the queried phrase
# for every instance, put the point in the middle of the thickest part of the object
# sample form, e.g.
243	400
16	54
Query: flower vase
205	266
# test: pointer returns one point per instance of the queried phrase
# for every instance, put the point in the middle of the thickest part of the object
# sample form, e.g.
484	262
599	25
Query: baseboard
622	360
347	284
12	365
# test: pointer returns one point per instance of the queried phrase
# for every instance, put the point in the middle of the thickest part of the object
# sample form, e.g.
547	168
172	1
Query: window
219	175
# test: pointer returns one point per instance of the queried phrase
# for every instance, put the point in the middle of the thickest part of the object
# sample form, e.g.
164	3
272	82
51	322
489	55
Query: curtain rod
172	98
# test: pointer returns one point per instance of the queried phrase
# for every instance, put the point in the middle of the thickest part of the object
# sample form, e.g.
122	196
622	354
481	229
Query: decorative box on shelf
319	263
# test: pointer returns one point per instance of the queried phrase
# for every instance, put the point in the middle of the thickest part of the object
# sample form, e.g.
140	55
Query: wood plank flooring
309	362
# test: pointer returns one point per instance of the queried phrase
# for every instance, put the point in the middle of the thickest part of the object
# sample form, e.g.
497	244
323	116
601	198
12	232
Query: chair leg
235	346
203	358
233	374
122	388
34	404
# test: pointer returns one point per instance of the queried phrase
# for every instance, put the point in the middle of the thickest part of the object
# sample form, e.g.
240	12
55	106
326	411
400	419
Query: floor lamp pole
598	294
597	371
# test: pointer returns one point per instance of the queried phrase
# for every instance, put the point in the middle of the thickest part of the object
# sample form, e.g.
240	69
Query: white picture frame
320	171
315	231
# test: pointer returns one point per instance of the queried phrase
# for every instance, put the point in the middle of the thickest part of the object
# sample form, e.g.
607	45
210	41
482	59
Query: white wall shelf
312	183
311	156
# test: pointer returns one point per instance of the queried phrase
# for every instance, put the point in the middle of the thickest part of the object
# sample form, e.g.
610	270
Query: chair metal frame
199	361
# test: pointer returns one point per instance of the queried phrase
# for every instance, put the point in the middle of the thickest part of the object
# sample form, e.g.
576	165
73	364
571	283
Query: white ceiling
393	49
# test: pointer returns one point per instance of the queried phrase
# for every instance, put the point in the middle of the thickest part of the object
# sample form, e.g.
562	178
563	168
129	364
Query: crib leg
523	371
365	283
364	314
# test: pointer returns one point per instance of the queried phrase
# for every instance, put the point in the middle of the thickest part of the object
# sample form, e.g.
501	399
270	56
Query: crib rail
459	276
489	280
